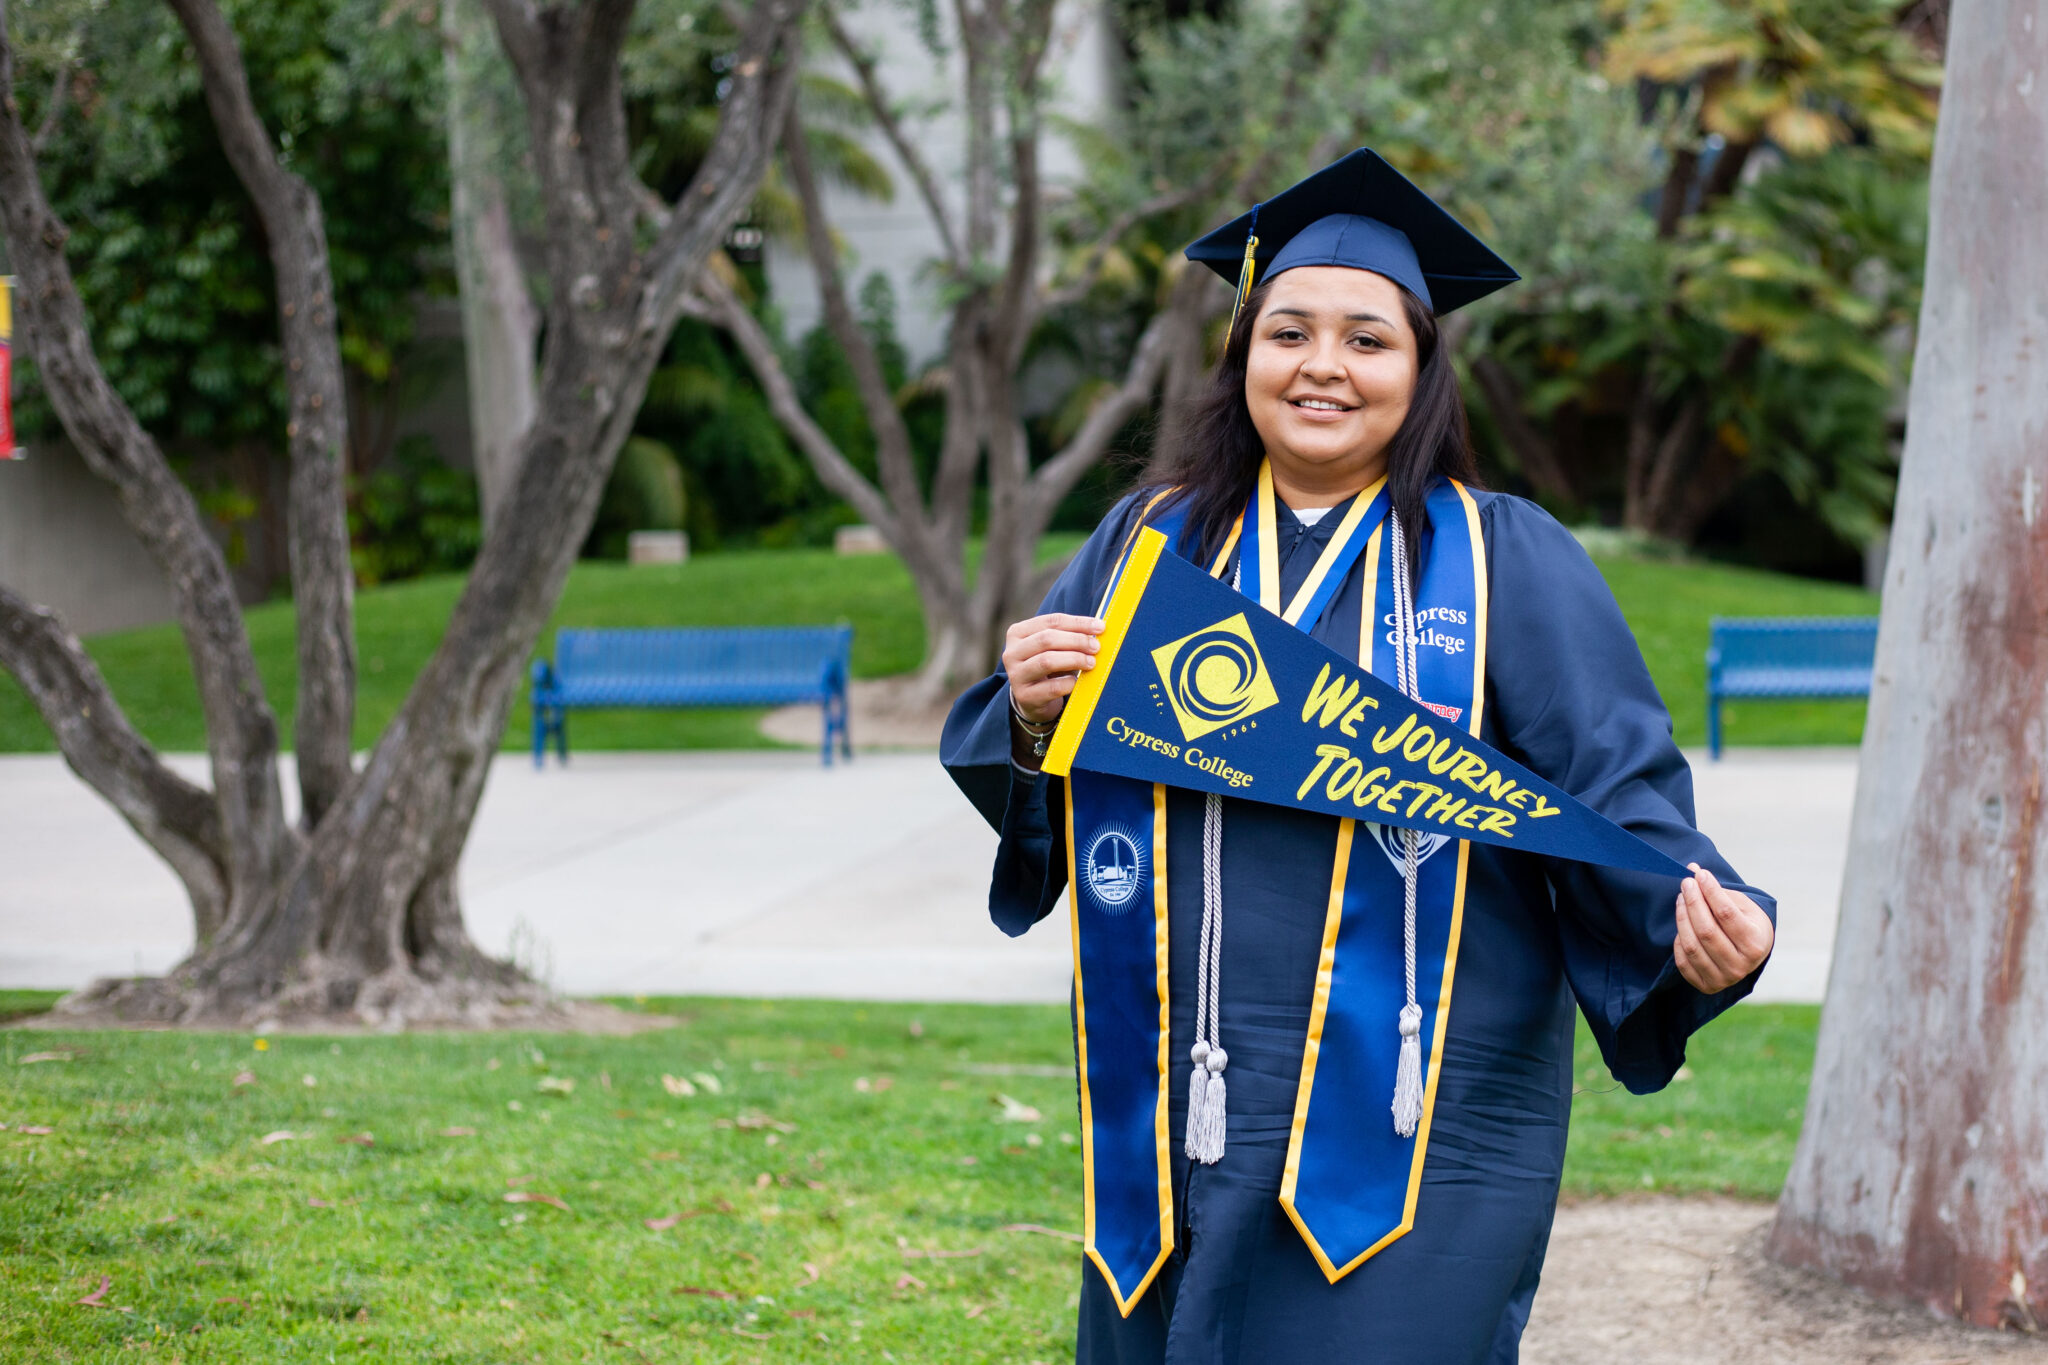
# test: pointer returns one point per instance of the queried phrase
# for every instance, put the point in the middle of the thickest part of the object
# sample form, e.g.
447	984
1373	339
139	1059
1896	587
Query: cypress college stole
1197	687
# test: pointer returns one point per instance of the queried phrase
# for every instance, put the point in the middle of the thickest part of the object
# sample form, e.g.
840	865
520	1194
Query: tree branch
1098	251
240	729
53	113
893	460
323	578
717	304
892	128
1532	448
756	110
173	817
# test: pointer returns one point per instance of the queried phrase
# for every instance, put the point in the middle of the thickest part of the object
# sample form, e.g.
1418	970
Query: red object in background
6	402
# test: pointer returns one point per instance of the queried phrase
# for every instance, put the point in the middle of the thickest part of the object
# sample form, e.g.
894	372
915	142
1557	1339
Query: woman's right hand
1044	657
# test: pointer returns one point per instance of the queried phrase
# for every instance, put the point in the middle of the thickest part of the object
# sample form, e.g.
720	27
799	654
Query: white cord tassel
1408	1071
1207	1097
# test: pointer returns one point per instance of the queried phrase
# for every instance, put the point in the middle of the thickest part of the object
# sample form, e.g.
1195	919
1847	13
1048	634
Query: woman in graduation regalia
1310	967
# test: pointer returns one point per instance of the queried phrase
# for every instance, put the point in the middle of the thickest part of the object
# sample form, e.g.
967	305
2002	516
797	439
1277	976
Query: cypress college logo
1215	677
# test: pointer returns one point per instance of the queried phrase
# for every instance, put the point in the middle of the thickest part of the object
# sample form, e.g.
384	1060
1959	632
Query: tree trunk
500	324
1922	1168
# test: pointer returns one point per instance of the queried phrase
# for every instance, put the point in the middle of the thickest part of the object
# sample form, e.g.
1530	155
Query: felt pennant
1198	687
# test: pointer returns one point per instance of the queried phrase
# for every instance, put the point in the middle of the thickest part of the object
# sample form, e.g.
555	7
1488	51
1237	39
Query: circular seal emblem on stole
1113	868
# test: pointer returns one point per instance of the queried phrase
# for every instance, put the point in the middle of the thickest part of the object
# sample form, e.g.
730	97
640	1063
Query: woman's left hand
1723	935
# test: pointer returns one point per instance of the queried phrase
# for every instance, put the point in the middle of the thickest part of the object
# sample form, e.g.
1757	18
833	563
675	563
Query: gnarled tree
1922	1168
353	912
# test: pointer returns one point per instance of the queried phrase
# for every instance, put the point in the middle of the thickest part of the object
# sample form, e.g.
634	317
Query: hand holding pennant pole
1200	688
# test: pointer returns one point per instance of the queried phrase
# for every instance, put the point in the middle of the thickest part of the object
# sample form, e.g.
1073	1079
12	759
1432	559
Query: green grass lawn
847	1194
1667	603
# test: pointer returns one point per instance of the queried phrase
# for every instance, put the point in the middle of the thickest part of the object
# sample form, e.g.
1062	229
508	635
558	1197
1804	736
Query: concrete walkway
764	874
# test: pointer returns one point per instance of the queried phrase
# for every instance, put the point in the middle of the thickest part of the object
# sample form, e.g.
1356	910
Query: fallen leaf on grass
458	1132
757	1336
666	1156
35	1057
909	1281
327	1204
281	1135
556	1085
35	1130
708	1082
803	1312
1016	1111
910	1253
1042	1229
811	1275
513	1182
704	1293
977	1310
753	1119
763	1181
970	1161
664	1224
97	1299
234	1302
244	1079
677	1086
535	1197
358	1139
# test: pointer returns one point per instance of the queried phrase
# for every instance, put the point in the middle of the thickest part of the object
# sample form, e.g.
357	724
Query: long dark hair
1217	466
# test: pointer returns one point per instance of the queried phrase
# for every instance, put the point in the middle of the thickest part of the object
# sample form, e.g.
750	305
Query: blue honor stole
1350	1180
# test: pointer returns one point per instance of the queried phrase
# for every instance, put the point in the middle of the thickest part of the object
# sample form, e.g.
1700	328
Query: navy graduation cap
1358	212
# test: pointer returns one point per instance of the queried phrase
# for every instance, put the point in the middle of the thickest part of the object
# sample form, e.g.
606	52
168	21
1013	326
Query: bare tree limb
177	819
892	128
760	102
241	730
894	464
323	578
718	305
1532	448
1097	254
60	89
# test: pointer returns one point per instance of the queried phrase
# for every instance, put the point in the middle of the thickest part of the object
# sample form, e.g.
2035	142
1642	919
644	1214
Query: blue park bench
1786	657
673	668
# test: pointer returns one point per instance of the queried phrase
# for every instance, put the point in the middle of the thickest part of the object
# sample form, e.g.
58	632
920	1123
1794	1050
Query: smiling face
1328	379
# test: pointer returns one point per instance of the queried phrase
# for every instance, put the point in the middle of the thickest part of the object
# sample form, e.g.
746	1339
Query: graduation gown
1568	696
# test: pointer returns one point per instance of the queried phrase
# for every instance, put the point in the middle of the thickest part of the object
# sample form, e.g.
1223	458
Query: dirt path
1682	1282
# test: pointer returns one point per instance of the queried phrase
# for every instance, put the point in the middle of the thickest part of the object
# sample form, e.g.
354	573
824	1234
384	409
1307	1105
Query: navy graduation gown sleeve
1026	808
1572	698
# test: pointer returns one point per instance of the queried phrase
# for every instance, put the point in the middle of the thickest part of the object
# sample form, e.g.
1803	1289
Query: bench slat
1788	657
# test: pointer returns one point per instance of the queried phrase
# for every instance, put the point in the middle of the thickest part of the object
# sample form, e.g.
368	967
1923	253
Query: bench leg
540	737
562	734
1714	728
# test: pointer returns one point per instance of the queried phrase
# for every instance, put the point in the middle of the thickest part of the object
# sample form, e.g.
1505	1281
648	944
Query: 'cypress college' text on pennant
1195	686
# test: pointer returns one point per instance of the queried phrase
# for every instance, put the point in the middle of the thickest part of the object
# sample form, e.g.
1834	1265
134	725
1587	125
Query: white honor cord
1208	1099
1408	1071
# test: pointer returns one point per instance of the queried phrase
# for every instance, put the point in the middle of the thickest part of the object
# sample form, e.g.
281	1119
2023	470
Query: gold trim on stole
1161	1111
1333	917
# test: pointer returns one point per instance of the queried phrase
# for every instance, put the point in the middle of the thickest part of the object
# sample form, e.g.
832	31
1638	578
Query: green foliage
415	515
169	258
644	493
157	1175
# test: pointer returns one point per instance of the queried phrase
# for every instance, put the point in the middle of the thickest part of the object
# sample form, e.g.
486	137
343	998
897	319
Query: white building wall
64	544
